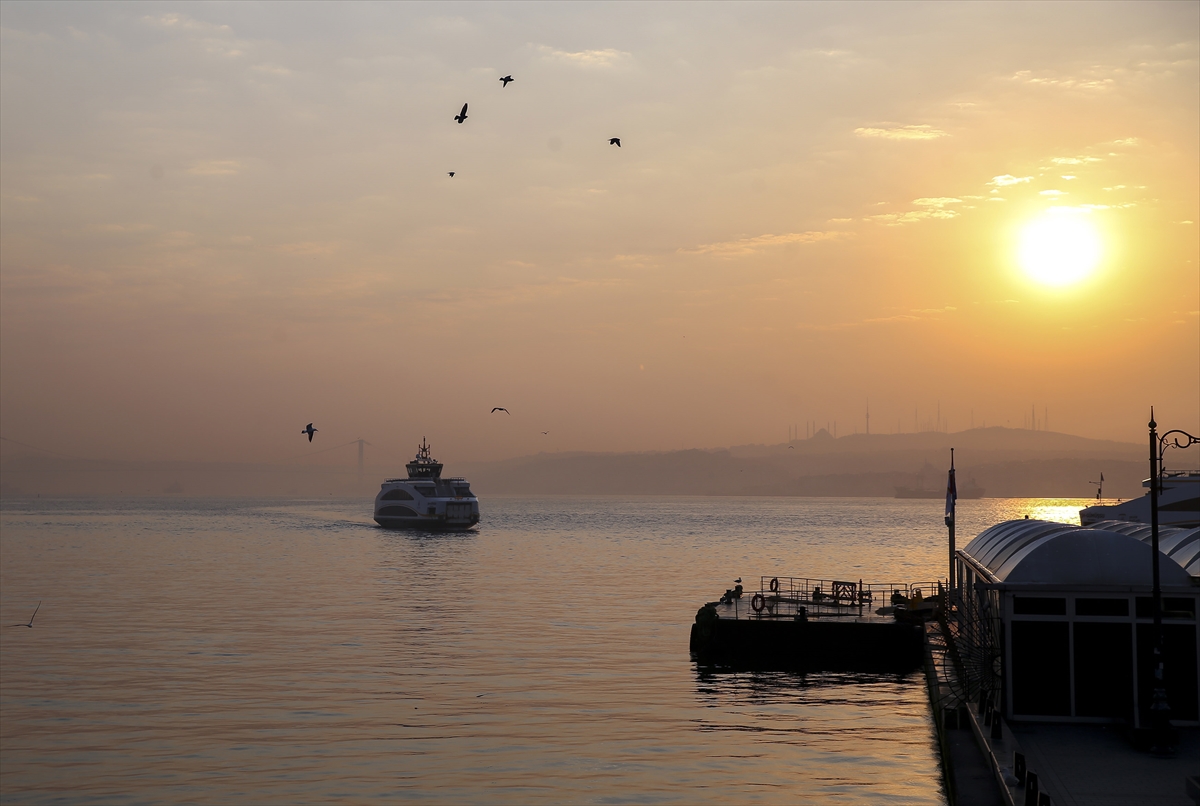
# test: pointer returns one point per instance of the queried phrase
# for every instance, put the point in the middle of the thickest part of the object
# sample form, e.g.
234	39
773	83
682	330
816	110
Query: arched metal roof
1181	545
1041	552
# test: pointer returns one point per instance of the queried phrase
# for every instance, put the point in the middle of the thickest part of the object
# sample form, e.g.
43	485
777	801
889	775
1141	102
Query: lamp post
1160	709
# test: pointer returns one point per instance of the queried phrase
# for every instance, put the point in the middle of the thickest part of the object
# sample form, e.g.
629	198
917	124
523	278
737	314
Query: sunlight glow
1060	247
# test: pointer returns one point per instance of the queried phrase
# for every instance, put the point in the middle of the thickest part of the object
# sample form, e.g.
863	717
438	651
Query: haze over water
291	651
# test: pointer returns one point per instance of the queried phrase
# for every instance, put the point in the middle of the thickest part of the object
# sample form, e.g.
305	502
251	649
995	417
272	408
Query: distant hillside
1005	462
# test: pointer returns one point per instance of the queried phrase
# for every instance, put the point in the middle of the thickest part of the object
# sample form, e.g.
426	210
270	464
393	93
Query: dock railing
973	632
810	597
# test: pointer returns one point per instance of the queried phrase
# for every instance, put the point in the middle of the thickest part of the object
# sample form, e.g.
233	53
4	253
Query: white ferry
1178	503
425	500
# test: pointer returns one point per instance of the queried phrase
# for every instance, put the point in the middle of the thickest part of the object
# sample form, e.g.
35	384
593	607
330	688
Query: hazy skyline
219	222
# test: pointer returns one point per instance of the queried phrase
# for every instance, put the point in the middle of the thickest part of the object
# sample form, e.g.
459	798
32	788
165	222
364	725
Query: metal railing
796	597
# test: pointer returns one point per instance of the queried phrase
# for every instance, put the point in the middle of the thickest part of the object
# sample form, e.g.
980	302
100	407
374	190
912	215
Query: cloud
939	202
215	168
898	219
308	248
181	22
1008	179
1065	82
1051	193
609	57
272	69
919	132
1074	160
748	246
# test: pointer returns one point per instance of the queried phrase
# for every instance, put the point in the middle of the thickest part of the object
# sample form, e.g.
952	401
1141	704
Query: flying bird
461	116
308	430
504	80
30	624
545	432
450	174
614	141
501	408
791	447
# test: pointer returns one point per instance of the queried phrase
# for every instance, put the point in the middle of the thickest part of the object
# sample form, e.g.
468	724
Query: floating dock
809	624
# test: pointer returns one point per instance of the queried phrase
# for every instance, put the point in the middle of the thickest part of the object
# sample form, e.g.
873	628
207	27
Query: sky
222	221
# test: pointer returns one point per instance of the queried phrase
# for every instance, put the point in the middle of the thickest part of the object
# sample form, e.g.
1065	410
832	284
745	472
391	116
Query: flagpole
951	498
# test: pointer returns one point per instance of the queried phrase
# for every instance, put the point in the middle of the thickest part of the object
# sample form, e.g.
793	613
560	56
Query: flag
951	495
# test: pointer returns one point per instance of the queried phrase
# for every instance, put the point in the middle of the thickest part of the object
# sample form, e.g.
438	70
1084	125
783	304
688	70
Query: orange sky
219	222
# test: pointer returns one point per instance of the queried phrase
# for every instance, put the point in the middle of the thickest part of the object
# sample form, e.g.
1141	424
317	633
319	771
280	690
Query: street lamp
1160	710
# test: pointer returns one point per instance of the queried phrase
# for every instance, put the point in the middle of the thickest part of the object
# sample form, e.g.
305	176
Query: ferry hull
426	524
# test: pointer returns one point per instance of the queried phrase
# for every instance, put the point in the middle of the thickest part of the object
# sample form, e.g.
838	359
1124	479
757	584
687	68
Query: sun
1060	247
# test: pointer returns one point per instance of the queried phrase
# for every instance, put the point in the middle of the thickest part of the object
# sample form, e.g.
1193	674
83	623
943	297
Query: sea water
287	651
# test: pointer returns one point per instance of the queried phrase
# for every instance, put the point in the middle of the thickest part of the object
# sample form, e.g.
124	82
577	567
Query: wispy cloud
915	315
1074	160
918	132
272	69
1008	179
748	246
1086	82
939	201
215	168
182	22
912	216
609	57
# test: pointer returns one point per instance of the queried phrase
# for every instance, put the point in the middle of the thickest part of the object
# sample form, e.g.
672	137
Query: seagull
506	79
545	432
450	174
791	447
501	408
308	430
30	624
612	141
461	116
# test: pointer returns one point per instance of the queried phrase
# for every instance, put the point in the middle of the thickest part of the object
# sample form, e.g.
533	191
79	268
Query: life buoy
758	602
775	585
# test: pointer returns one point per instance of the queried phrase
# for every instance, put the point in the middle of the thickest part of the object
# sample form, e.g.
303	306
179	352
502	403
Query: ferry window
462	492
398	512
396	495
1102	607
1172	607
1039	606
425	491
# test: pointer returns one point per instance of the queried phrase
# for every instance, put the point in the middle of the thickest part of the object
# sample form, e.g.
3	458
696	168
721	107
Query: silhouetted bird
450	174
501	408
461	116
505	80
308	430
30	624
614	141
545	432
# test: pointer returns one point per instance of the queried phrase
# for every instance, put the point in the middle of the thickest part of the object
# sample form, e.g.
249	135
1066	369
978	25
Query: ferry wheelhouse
425	500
